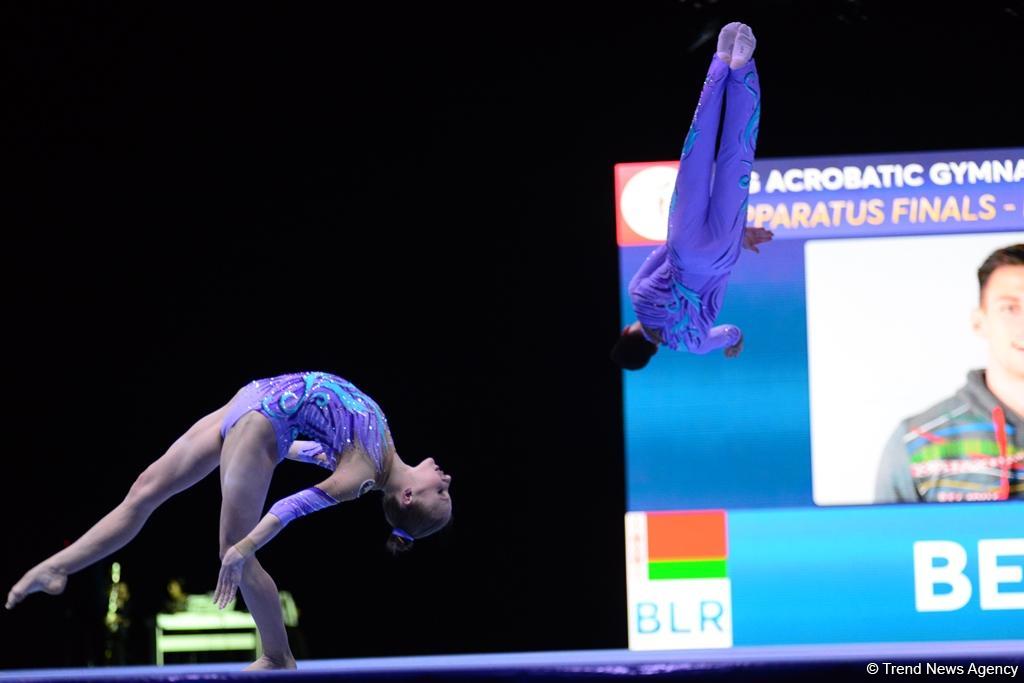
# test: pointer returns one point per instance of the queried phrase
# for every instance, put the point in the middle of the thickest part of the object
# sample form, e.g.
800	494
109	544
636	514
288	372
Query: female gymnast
678	291
247	438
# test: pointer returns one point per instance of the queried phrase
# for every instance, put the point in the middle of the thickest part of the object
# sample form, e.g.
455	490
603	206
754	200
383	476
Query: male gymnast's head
633	350
999	318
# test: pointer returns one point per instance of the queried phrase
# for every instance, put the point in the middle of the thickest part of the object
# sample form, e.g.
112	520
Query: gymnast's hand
734	350
755	236
230	577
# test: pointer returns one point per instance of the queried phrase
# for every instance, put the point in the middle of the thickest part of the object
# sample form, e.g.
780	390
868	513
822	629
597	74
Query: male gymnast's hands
734	350
230	577
755	236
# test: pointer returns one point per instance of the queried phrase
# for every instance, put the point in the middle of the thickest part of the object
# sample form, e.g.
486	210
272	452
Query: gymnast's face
430	492
1000	319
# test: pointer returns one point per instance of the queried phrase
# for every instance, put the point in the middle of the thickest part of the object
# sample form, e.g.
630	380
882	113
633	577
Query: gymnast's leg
689	206
727	212
194	455
247	464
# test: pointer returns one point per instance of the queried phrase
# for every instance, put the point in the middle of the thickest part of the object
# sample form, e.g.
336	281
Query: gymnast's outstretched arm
354	476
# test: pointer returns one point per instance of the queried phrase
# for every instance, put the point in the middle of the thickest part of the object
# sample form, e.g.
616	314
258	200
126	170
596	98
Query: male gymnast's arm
755	236
311	452
655	259
304	449
354	476
893	482
730	336
718	336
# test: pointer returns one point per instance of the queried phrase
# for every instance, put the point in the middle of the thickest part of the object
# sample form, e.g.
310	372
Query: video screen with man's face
857	473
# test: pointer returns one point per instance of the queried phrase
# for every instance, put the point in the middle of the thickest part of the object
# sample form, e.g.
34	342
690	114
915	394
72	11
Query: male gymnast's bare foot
742	47
726	38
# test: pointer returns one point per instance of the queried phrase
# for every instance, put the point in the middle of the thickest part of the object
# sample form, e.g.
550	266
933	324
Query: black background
418	198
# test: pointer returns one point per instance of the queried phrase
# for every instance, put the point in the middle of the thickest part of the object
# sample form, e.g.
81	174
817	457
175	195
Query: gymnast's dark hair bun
397	545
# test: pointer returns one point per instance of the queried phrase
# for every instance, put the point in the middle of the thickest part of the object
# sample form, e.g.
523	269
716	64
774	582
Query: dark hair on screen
1007	256
632	351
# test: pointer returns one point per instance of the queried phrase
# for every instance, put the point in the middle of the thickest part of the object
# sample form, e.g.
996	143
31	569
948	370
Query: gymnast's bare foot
726	38
43	577
265	663
743	47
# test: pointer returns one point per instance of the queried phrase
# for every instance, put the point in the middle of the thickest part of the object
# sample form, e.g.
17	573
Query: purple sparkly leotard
317	406
679	290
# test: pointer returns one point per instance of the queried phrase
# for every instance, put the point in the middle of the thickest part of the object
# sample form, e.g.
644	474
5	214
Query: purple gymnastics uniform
316	406
678	291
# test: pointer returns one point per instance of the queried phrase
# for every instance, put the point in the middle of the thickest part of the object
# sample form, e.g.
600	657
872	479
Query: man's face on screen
1000	319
